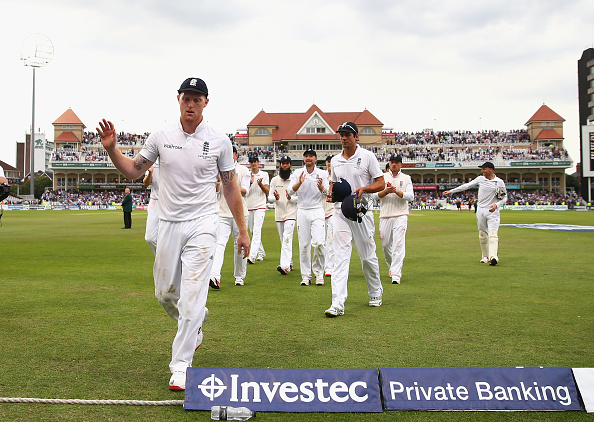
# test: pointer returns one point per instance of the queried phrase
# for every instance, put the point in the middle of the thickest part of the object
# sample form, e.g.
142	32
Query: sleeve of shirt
226	162
374	168
409	194
292	181
325	183
244	183
271	197
468	185
150	150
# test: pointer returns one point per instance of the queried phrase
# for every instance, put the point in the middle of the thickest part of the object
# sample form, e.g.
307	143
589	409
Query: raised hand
107	134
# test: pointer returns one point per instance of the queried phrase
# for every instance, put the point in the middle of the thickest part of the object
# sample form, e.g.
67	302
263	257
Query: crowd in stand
93	138
460	137
89	197
513	197
414	147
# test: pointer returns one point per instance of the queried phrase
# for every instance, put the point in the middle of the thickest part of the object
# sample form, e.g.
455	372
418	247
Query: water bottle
228	413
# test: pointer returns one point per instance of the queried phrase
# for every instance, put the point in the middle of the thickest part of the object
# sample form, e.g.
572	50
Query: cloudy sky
415	64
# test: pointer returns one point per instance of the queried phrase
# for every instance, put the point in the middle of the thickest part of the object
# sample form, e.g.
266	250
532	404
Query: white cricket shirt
392	205
256	198
155	181
308	195
284	208
189	166
487	190
360	170
224	211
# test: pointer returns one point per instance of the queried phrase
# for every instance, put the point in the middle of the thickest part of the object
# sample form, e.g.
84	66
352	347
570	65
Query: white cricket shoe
395	280
320	282
305	282
375	301
333	311
239	282
484	260
177	382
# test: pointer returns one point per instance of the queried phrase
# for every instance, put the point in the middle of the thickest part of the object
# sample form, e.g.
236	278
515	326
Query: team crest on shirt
359	163
205	149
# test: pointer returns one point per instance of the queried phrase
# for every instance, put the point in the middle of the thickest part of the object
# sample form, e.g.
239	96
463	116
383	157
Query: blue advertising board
284	390
521	388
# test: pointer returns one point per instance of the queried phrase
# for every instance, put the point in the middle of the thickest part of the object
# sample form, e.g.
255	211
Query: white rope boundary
96	402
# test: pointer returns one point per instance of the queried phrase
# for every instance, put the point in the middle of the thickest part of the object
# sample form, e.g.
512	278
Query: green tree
41	182
573	182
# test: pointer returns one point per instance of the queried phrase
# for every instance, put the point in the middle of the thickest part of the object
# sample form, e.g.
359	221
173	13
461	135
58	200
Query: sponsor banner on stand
503	388
284	390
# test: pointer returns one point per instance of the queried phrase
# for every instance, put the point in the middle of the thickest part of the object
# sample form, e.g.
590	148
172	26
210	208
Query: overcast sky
415	64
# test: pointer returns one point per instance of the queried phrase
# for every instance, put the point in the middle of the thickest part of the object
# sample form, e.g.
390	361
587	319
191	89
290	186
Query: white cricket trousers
346	233
487	221
329	245
393	236
152	225
182	268
310	232
226	227
255	223
285	233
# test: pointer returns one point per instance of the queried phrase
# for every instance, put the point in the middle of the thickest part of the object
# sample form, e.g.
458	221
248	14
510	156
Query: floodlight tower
37	51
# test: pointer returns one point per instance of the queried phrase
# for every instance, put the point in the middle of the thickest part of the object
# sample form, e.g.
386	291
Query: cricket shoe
375	301
281	270
291	267
239	282
320	282
260	257
395	280
333	311
177	382
251	261
305	282
214	283
328	274
494	261
484	260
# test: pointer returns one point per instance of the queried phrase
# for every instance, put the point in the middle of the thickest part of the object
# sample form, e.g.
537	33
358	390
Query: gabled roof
67	137
68	118
6	166
286	125
545	114
549	134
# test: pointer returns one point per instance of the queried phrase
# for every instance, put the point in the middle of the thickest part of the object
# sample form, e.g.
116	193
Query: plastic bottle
228	413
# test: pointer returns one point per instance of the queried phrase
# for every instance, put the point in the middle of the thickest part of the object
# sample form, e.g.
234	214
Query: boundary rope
96	402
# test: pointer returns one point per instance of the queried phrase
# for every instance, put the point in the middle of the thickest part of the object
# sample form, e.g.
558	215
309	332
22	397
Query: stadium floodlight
37	51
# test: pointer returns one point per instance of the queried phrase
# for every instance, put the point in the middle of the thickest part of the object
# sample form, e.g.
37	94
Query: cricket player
361	170
256	203
285	212
151	232
227	226
310	183
329	240
191	157
491	196
394	199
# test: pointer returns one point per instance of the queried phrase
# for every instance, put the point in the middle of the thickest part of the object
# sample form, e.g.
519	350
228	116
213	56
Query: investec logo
288	392
171	146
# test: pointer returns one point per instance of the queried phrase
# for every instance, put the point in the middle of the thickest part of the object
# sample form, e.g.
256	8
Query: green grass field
79	319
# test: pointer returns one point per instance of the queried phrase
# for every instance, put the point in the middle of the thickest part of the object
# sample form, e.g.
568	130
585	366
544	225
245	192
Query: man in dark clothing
127	208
